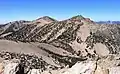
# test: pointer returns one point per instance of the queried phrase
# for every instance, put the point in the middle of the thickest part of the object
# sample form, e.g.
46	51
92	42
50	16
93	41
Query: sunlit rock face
107	65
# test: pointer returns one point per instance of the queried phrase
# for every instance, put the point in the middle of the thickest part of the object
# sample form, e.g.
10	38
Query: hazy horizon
102	10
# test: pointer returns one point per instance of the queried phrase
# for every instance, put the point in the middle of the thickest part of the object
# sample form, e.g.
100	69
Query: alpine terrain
76	45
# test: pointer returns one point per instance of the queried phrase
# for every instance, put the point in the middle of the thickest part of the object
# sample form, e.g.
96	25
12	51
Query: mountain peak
78	17
82	19
47	18
44	20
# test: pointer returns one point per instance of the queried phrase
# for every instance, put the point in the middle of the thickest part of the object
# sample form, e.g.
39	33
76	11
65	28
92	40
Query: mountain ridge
57	33
61	43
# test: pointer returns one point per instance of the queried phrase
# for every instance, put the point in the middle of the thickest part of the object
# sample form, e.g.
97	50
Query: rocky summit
76	45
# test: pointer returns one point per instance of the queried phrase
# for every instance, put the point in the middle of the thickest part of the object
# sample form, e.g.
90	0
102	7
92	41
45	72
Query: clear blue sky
11	10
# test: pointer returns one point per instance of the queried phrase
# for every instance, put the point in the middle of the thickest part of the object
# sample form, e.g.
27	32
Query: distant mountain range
108	22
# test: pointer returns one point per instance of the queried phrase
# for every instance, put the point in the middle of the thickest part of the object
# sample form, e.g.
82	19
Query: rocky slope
106	65
59	44
75	35
10	28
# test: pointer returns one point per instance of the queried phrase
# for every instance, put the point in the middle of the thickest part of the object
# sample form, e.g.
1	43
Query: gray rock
13	67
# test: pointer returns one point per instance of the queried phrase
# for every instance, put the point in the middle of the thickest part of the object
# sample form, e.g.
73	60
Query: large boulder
82	68
13	67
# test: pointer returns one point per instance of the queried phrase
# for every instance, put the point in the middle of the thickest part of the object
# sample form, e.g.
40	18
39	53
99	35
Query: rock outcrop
11	67
85	67
89	67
